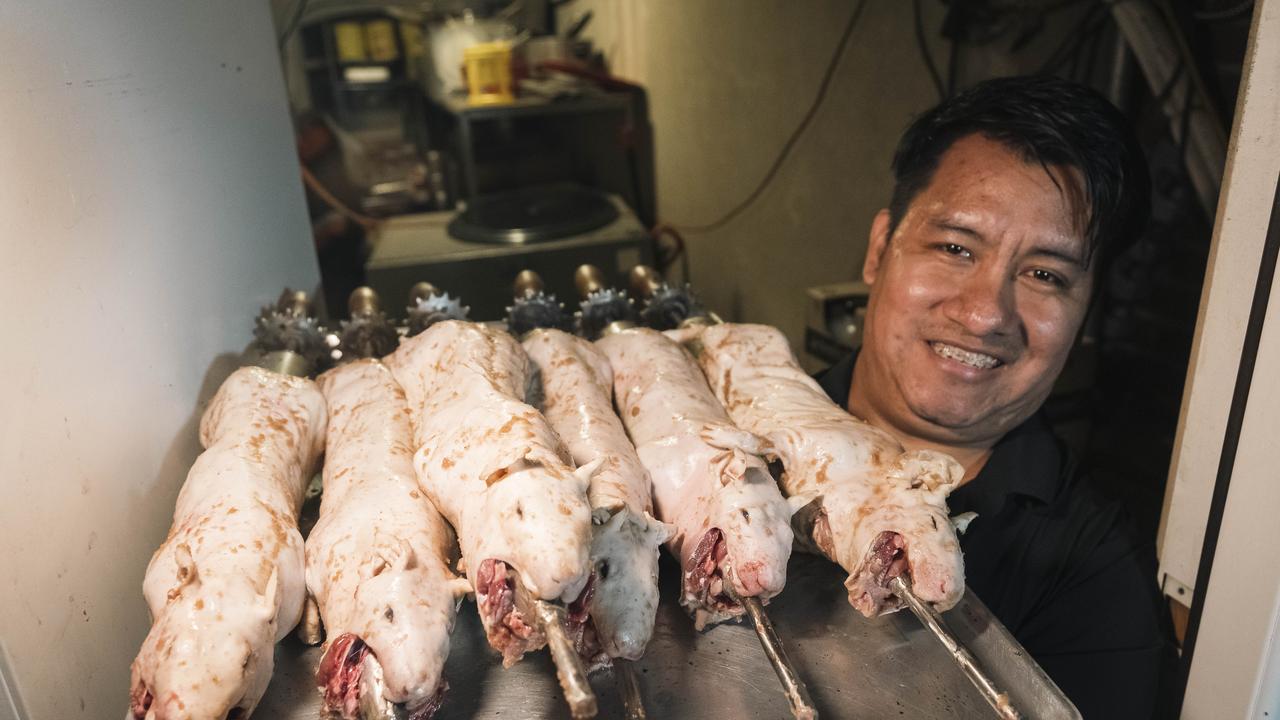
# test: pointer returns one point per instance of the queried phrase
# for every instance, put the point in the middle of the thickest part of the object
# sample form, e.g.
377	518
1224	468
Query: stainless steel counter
887	667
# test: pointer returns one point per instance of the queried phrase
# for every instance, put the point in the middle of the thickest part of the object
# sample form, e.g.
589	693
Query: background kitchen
168	167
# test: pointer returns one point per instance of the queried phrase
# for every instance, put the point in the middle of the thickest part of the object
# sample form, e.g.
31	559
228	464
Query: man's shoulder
1088	536
1067	485
1037	496
1067	496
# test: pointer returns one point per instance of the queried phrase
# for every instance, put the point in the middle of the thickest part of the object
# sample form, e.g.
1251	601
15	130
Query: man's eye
1045	276
954	249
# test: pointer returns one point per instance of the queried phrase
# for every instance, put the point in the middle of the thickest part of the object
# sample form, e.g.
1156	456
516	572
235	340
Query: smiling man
1007	199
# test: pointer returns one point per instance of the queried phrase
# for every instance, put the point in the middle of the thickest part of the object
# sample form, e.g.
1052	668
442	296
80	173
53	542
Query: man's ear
877	244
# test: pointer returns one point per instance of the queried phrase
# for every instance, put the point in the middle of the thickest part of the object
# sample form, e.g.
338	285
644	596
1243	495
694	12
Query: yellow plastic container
489	80
349	37
380	39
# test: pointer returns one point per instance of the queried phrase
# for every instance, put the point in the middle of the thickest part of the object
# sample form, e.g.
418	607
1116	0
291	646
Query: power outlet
10	701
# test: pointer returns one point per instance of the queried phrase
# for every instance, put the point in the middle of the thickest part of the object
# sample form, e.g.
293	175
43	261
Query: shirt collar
1027	461
838	379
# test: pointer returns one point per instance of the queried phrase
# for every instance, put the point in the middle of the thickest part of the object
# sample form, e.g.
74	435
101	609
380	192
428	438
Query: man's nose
984	305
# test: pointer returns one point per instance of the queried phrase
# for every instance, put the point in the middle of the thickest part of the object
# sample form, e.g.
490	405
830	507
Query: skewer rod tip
644	281
930	618
525	282
587	279
363	301
802	707
422	291
570	669
629	688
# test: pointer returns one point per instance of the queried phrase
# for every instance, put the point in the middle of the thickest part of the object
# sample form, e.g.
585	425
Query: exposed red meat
583	633
339	675
705	566
139	701
503	624
887	559
580	609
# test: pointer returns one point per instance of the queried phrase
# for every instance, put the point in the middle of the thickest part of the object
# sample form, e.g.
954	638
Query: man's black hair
1047	120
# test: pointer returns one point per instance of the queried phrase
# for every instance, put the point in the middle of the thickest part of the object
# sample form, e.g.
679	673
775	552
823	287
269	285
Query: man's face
976	299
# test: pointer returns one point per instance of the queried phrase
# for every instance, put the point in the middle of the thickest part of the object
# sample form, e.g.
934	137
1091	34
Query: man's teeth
978	360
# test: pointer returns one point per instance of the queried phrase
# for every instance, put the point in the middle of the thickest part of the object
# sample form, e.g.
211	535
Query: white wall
149	203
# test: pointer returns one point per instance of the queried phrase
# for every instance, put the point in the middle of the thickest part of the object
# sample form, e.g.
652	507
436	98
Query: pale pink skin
706	472
576	385
227	583
865	482
492	464
378	558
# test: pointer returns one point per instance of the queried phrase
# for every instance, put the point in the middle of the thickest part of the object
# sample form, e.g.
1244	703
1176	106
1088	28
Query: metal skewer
797	694
588	279
644	281
528	286
527	281
421	291
602	309
629	689
932	620
429	305
373	691
310	630
368	334
287	337
570	670
294	302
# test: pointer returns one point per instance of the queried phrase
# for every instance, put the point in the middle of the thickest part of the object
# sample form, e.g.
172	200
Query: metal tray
886	667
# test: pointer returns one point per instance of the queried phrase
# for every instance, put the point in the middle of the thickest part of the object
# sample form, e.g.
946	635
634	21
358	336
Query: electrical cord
953	66
295	18
1091	58
924	53
666	258
1224	13
790	144
328	198
1090	23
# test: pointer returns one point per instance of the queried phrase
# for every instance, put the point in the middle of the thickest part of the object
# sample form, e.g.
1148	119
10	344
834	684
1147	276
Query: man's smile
970	358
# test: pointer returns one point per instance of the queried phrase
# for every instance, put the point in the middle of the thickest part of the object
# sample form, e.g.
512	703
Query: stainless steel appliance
412	248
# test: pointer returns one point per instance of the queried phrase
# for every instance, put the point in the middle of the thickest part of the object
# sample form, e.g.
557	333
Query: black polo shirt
1061	569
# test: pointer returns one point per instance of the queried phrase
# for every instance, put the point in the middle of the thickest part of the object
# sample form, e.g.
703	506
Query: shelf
533	106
